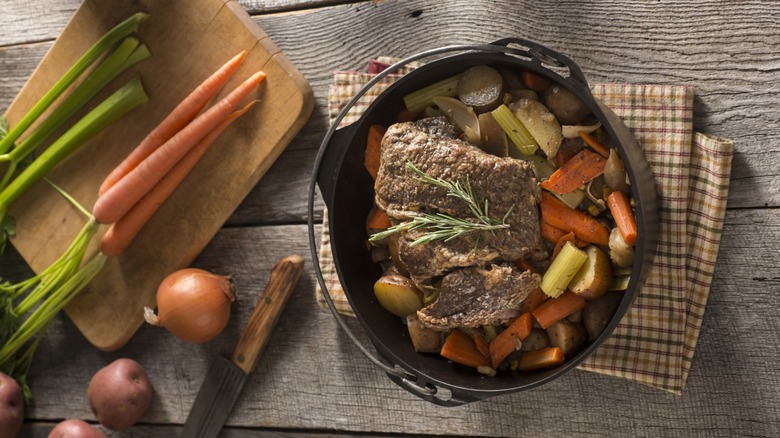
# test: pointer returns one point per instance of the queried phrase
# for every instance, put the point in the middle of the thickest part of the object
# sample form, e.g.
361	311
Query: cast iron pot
347	190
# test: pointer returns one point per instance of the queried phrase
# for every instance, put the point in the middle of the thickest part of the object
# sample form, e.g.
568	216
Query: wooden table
312	381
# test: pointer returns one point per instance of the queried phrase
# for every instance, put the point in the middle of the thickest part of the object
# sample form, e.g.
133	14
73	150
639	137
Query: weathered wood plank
312	377
642	43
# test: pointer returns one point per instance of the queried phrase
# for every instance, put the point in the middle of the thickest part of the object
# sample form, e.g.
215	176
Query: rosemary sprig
440	226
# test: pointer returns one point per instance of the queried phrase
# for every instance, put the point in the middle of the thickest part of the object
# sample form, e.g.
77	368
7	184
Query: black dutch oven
347	190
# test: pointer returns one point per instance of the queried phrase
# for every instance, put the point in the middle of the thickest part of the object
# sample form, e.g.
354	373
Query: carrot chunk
373	148
581	168
584	226
553	310
540	359
461	349
594	144
624	217
507	341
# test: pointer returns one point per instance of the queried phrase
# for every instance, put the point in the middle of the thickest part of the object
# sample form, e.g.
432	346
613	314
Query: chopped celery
619	282
130	96
416	101
127	54
515	130
563	268
113	36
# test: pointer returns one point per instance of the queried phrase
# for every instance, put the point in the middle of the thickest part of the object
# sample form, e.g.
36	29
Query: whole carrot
122	232
120	197
178	118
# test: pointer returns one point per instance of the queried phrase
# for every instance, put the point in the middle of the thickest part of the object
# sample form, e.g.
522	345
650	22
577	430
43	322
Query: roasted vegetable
482	88
424	339
567	336
398	295
540	123
568	108
597	313
595	275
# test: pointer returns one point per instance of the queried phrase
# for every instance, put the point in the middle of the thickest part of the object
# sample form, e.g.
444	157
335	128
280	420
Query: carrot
562	156
481	344
624	217
373	148
183	114
378	220
534	81
405	116
120	197
533	300
584	226
525	265
543	358
554	310
507	341
122	232
581	168
559	244
594	144
552	234
461	349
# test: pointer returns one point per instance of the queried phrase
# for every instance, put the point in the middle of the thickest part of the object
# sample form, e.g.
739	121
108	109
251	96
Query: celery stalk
113	36
563	268
619	282
515	130
118	104
119	60
418	100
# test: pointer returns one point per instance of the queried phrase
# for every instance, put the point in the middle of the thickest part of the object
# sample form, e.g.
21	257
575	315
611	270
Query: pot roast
506	184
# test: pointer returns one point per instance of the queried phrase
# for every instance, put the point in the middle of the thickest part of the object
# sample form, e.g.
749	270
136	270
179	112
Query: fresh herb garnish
440	226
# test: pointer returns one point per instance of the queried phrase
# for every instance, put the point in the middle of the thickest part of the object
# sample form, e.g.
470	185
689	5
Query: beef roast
473	297
433	147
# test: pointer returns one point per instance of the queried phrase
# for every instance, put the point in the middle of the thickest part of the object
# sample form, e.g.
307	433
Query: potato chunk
398	295
595	275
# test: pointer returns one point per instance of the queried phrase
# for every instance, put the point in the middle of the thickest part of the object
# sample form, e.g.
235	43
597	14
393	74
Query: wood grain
313	382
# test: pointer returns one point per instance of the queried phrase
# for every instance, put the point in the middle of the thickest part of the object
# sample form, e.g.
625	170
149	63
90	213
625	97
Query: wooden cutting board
188	41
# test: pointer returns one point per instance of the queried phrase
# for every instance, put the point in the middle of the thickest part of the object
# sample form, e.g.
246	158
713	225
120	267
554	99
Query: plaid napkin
655	341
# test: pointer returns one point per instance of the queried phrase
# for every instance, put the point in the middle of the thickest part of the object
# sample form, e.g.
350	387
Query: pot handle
542	55
430	392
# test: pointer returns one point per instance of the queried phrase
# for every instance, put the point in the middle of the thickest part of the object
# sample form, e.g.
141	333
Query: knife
225	378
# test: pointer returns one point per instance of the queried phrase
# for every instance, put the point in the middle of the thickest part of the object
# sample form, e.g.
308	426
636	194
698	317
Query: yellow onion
193	304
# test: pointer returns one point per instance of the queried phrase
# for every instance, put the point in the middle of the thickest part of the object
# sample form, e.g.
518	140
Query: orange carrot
594	144
543	358
461	349
533	300
378	220
584	226
481	344
525	265
581	168
373	147
122	232
405	116
559	244
120	197
183	114
534	81
554	310
552	234
624	217
507	341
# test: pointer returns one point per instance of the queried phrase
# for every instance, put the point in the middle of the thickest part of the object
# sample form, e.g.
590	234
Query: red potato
120	394
74	428
11	407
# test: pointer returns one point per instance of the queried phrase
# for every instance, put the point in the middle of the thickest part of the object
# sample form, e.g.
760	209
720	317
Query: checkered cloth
655	342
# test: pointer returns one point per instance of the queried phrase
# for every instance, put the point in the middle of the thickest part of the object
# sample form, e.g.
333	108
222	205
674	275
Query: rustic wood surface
312	381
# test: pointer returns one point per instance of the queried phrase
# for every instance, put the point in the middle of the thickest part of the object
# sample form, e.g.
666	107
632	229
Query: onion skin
193	304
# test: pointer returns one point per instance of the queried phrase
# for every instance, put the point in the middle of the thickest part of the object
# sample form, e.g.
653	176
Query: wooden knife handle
284	277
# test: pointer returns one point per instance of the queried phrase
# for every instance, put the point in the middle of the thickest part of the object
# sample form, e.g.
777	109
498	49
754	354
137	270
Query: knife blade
225	378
